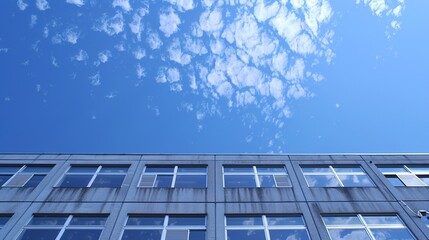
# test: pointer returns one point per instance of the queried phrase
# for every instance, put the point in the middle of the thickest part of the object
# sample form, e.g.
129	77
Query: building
208	196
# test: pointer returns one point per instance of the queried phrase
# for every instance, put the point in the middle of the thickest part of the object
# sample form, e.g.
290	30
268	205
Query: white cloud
171	75
244	98
176	53
81	56
78	3
71	35
397	11
104	56
140	71
120	47
296	91
154	40
217	46
33	20
279	62
276	88
54	62
45	32
296	71
139	53
297	3
377	6
137	26
263	12
337	105
169	22
183	5
196	46
111	26
211	21
124	4
21	5
42	5
395	24
95	79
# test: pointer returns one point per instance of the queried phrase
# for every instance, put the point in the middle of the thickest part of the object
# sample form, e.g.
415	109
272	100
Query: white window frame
335	173
65	226
21	172
365	226
94	175
408	172
265	225
164	227
175	173
256	174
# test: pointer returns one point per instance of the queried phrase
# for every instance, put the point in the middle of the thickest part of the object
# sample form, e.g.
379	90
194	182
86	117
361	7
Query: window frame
256	175
21	172
365	226
408	172
336	174
164	227
174	175
66	224
265	226
94	174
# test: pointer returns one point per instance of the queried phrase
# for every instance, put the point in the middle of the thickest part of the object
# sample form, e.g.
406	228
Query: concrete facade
215	201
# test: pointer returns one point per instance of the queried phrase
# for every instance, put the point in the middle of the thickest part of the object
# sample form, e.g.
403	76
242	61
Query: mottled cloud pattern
230	53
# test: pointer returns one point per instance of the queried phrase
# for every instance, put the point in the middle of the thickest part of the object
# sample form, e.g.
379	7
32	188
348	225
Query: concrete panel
104	157
251	157
171	157
18	156
310	157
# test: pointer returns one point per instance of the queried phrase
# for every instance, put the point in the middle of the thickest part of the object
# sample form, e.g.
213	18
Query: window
336	176
23	176
171	227
366	227
108	176
174	177
265	228
255	176
406	175
4	219
425	220
70	227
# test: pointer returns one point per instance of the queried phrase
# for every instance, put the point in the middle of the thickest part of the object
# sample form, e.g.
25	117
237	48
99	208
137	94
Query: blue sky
231	76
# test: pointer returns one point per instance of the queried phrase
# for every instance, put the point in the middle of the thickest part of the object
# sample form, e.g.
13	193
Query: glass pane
80	234
147	180
267	181
76	180
37	169
166	169
248	169
240	181
9	169
392	234
191	181
349	234
316	169
145	221
382	220
39	234
163	181
342	220
88	220
246	221
177	235
142	234
18	180
392	169
411	180
3	220
395	181
245	235
34	181
282	180
419	168
186	221
197	235
113	169
289	234
356	180
295	221
192	169
48	220
271	169
322	181
346	169
426	220
4	179
108	181
425	179
82	169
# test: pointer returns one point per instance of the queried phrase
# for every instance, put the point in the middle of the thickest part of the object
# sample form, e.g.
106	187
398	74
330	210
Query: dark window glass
81	234
348	169
166	169
48	220
267	181
34	181
316	169
9	169
394	168
289	234
177	235
145	221
395	181
113	169
186	221
190	181
392	234
271	169
349	234
108	181
238	169
239	181
76	180
142	234
39	234
245	235
88	220
425	179
243	221
197	235
342	220
82	169
192	169
163	181
37	169
276	221
3	220
4	179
